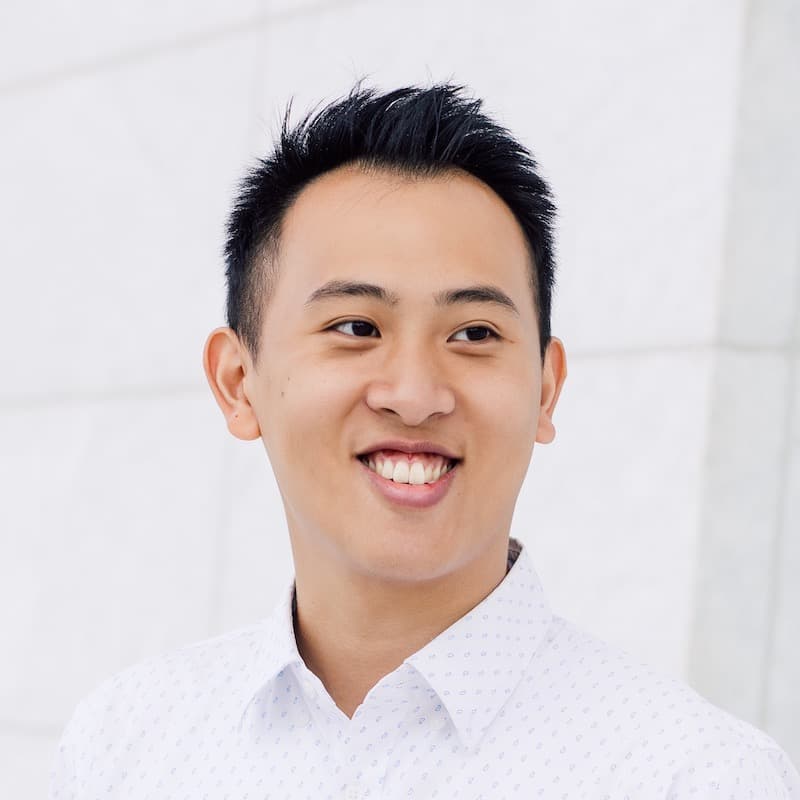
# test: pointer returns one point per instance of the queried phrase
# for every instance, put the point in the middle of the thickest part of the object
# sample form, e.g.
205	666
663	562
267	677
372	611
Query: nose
411	383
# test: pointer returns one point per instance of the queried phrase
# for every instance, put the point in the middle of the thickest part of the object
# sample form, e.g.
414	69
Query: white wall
665	517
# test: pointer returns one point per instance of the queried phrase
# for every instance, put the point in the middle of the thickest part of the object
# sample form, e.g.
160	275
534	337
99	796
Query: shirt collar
273	649
473	666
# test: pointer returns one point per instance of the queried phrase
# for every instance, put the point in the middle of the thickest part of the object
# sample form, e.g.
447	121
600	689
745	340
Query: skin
317	396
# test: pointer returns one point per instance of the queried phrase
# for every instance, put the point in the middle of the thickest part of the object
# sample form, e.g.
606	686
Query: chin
408	556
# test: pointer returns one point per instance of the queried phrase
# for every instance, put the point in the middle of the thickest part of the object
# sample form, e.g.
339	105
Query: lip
408	446
423	495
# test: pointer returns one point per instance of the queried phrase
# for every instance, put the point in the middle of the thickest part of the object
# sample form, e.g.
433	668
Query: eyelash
492	333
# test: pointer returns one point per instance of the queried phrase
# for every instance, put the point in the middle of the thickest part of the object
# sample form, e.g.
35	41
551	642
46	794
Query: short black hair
411	130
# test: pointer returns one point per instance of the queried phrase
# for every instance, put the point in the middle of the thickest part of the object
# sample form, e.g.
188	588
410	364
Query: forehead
413	233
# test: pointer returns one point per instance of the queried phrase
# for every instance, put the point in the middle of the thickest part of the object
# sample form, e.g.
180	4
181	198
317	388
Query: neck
373	626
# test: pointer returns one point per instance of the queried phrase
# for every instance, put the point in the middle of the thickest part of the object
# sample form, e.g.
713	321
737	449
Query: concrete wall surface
666	515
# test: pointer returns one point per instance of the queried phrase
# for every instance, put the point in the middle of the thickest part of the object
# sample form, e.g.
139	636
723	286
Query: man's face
340	374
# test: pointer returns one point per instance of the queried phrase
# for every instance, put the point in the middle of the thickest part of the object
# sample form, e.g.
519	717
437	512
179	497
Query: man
390	269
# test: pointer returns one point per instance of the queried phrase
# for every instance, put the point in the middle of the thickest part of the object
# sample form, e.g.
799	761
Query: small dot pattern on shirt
509	702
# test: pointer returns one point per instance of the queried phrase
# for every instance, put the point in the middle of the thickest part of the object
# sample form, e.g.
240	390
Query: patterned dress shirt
510	701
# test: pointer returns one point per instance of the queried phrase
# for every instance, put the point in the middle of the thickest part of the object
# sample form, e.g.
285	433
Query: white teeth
417	474
400	474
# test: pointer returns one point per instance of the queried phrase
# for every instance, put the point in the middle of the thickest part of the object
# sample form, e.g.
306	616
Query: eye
477	330
360	328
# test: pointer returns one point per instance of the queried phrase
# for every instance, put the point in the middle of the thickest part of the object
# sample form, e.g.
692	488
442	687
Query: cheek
511	402
508	411
309	402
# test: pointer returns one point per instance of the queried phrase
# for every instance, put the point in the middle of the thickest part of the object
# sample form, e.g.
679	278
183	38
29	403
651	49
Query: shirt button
352	793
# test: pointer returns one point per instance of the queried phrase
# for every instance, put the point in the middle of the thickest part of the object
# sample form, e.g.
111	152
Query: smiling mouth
403	468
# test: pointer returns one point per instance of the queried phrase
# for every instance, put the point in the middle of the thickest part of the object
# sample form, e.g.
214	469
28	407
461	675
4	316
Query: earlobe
554	373
225	364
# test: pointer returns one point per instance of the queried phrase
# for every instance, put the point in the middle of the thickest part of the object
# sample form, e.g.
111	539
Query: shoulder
647	723
162	706
637	699
199	676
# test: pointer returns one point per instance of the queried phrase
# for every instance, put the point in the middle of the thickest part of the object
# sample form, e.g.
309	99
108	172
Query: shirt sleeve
763	773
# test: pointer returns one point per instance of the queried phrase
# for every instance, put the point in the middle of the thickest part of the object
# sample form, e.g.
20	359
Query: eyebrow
334	289
479	293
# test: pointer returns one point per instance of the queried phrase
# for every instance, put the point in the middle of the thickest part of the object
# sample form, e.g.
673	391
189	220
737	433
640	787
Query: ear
226	363
554	373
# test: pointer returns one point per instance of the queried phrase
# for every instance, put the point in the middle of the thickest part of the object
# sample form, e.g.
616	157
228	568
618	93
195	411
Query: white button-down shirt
509	702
